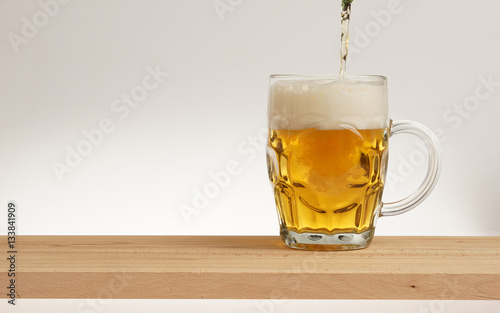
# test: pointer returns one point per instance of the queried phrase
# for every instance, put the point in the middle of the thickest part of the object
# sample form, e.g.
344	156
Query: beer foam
327	104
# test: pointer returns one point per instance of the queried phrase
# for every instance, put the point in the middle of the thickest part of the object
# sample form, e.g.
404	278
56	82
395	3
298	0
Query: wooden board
197	267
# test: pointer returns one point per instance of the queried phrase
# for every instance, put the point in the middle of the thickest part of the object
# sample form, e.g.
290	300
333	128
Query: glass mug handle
434	167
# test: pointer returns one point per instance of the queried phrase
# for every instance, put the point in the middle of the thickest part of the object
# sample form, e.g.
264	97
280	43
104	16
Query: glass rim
329	76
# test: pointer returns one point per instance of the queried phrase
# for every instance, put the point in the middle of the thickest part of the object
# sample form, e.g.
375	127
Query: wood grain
194	267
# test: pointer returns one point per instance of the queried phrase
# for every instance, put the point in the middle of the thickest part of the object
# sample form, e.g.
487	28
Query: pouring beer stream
345	14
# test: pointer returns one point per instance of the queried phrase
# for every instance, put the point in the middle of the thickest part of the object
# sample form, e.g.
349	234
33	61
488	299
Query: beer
328	180
345	18
327	156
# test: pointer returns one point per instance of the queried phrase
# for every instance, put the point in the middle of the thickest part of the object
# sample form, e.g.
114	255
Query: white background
68	74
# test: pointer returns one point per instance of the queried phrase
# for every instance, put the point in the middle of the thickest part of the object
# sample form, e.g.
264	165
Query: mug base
317	241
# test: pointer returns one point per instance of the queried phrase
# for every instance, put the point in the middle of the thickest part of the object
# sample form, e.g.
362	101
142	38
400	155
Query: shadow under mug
327	159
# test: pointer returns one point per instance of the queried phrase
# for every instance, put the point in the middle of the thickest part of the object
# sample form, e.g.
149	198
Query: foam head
302	102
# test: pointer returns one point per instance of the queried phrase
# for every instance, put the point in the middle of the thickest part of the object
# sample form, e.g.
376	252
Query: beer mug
327	159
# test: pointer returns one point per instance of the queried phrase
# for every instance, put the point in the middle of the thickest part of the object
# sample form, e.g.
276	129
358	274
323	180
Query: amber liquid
328	181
